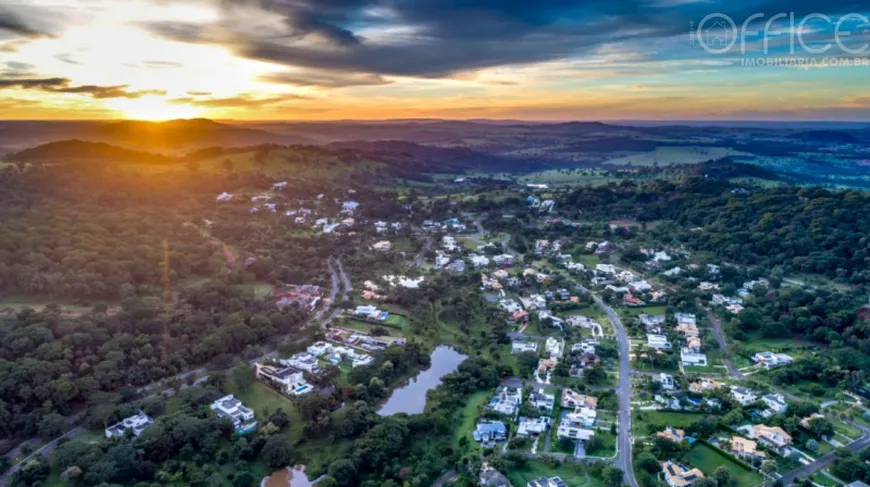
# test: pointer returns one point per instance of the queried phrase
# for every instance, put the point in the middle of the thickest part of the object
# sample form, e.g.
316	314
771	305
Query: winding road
623	458
723	343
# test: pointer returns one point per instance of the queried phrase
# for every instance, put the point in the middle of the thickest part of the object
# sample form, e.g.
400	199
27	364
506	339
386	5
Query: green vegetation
707	459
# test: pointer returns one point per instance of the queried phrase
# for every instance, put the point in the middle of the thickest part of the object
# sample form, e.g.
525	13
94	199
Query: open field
572	474
468	419
707	459
642	420
667	156
607	448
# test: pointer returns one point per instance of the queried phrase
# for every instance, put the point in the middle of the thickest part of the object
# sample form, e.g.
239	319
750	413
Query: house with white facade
769	360
775	405
134	424
690	357
230	407
743	395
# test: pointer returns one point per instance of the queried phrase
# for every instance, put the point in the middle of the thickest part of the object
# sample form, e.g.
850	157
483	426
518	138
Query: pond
288	477
411	398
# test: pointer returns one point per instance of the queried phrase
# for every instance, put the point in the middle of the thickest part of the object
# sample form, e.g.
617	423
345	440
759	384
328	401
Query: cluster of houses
307	296
578	421
691	353
450	224
634	290
134	424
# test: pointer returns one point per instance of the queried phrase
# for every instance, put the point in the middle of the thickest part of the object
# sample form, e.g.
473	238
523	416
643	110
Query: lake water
411	398
288	477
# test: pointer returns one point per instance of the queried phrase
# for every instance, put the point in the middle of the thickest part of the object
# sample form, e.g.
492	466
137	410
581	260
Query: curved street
623	391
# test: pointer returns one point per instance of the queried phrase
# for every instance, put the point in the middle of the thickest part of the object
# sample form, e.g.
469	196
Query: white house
290	379
533	426
658	342
692	357
541	400
577	425
136	424
523	346
775	405
666	380
224	197
769	359
232	408
506	401
677	475
554	347
743	395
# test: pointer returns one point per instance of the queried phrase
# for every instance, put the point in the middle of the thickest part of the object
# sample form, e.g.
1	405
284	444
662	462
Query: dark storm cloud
18	24
438	38
62	85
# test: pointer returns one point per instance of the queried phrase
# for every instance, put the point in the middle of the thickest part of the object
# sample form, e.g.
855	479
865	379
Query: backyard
707	459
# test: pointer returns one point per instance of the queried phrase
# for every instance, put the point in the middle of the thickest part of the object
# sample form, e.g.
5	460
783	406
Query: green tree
278	451
612	476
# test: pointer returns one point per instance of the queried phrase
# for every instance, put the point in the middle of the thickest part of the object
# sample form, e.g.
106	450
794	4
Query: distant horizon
621	122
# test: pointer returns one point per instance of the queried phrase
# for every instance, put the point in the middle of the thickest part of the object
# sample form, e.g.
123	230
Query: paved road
418	260
824	461
723	344
448	477
623	458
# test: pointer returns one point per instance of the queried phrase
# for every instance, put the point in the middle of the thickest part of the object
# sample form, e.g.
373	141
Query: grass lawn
650	310
468	417
366	327
573	475
260	289
265	401
708	459
823	479
607	448
642	419
589	260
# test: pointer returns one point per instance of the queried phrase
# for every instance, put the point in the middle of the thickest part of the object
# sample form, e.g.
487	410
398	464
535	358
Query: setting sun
152	108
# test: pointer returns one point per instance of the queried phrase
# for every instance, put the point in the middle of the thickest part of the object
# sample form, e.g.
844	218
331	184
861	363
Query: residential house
304	361
134	424
541	400
289	379
772	437
686	319
629	299
506	401
369	312
503	260
490	477
457	265
230	407
690	357
572	400
382	246
651	321
640	286
547	482
490	431
479	260
734	308
667	381
675	271
517	317
658	342
673	434
745	449
576	425
806	423
723	300
533	426
743	395
520	346
770	359
554	347
677	475
775	405
224	196
605	269
708	286
704	385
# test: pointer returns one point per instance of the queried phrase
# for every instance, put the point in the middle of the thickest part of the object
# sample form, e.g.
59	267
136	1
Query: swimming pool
301	389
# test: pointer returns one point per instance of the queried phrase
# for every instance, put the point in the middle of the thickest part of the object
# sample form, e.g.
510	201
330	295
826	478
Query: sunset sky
376	59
